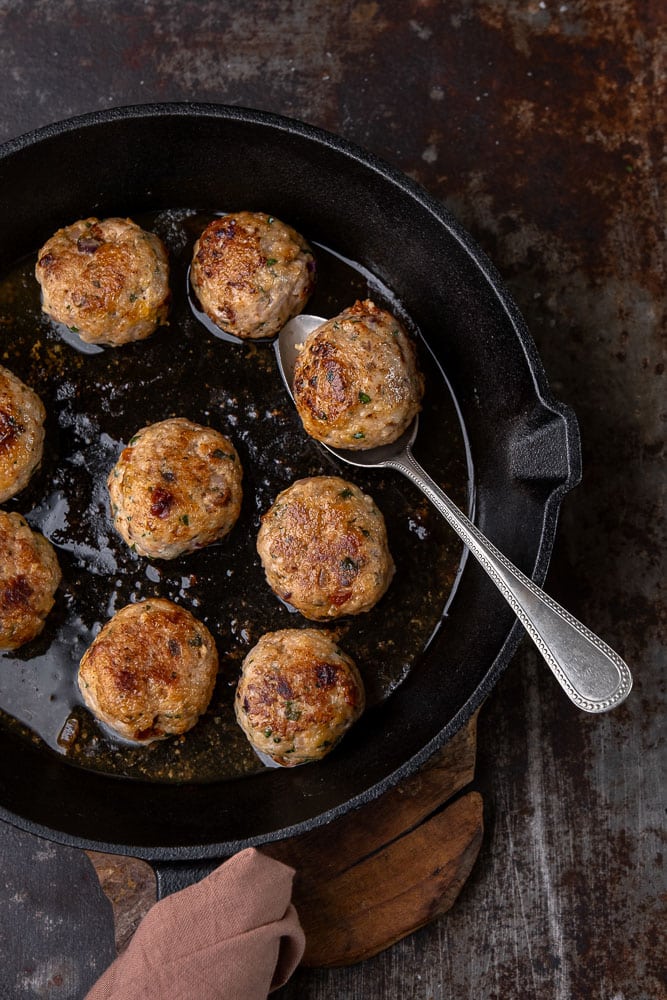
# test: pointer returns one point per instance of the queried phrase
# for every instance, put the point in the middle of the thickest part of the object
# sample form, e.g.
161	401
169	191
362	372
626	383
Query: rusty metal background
541	125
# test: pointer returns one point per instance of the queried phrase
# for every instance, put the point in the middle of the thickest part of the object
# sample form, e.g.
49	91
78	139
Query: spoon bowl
594	677
287	347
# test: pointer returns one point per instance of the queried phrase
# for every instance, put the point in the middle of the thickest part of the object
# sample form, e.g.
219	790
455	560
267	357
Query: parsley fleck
291	711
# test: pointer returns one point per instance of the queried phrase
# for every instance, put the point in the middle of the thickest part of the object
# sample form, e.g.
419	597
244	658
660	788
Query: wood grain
373	826
365	880
397	890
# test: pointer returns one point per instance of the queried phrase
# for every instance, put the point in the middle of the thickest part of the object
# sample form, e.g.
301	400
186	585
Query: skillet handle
592	675
172	876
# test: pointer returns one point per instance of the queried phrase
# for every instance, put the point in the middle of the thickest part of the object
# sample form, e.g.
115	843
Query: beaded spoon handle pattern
594	677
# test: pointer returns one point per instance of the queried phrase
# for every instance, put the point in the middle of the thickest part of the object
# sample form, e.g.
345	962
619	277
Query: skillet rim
550	506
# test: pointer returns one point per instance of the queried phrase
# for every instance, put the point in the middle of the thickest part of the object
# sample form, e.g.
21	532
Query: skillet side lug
546	448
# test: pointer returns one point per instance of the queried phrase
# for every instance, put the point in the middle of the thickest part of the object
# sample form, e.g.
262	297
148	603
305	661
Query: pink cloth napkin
233	936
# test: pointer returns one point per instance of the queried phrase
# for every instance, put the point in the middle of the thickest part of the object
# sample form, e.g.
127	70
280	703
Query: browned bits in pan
95	401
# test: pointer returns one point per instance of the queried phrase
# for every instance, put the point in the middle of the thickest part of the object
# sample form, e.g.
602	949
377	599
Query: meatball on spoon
592	675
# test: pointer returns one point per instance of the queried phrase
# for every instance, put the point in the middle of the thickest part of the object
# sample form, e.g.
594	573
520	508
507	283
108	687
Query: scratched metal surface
541	125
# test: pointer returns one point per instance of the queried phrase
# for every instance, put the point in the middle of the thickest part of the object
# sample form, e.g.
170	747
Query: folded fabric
233	936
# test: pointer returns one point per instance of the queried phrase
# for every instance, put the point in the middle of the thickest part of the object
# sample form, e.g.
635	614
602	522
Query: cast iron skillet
524	448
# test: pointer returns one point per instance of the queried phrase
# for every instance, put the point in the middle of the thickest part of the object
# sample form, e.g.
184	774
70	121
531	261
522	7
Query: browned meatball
323	546
108	280
150	672
356	381
175	488
298	694
21	434
251	273
29	578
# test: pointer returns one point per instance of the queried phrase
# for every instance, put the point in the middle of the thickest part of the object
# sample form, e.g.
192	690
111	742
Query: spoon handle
592	674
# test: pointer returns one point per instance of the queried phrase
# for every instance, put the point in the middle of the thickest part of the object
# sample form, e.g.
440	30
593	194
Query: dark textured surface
541	126
56	925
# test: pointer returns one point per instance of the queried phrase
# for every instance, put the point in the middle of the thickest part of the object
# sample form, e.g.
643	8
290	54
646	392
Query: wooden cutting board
367	879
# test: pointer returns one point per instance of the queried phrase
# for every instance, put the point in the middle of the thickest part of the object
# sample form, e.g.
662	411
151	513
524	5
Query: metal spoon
592	674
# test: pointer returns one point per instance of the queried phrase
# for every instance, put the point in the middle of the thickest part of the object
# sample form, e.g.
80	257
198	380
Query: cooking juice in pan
96	399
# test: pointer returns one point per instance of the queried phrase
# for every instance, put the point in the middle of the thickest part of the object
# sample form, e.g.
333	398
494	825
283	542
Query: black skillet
491	433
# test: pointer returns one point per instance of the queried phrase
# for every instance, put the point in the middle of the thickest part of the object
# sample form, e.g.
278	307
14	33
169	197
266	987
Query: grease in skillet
94	405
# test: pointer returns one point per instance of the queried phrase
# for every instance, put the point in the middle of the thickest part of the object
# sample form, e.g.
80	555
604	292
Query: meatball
108	280
323	546
298	694
150	672
29	578
356	380
175	488
22	418
251	273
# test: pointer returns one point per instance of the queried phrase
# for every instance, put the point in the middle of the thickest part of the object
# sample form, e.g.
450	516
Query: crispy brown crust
22	416
175	488
356	380
29	578
150	672
106	280
323	546
251	273
298	694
